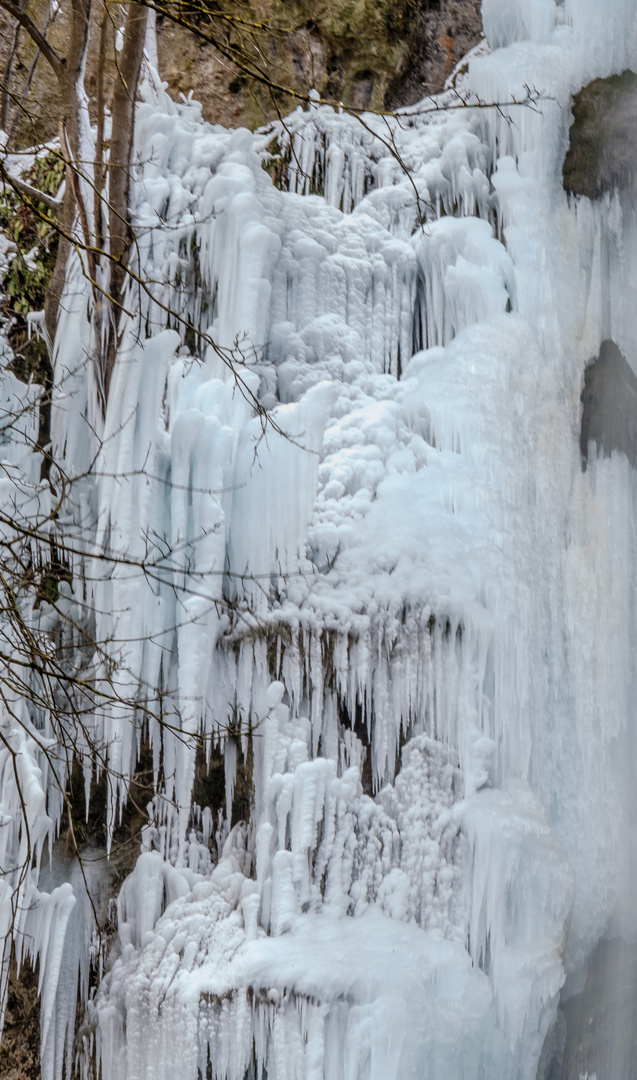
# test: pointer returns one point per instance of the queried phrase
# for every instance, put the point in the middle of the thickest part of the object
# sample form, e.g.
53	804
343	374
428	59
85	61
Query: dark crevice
609	406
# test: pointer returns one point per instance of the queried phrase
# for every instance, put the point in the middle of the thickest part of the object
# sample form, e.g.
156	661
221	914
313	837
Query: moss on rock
365	53
602	153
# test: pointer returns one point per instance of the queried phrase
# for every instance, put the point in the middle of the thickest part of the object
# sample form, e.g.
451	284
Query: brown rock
601	154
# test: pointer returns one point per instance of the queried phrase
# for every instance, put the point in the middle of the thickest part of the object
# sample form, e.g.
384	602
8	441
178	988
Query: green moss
602	148
332	48
30	265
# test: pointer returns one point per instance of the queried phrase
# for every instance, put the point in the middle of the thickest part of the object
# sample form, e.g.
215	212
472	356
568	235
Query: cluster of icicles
394	615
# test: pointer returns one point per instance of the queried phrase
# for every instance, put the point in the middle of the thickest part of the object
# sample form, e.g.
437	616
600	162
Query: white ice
405	586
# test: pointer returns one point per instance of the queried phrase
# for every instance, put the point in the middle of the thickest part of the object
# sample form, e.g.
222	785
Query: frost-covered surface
431	624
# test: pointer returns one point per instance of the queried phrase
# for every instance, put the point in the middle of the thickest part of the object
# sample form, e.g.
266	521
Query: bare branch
56	61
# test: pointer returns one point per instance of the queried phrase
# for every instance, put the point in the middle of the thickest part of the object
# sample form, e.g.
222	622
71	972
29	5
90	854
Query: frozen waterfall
405	613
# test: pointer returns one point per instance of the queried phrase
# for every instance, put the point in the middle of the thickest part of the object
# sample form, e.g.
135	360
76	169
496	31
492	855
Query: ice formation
405	606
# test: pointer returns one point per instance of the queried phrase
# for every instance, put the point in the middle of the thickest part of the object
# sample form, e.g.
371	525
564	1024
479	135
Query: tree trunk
123	132
69	78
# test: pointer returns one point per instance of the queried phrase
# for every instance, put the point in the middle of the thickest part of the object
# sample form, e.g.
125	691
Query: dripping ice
435	649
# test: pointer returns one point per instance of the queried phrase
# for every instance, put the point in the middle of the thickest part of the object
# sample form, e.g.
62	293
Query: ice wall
401	605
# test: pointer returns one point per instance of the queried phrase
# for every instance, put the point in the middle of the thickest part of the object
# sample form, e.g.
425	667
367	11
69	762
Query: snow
399	601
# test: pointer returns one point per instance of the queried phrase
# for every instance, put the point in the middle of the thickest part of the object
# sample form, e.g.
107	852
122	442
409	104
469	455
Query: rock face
602	153
609	400
365	53
442	34
20	1047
